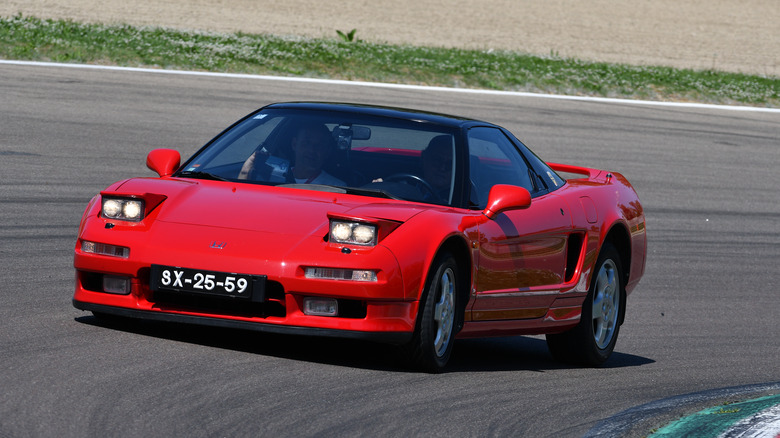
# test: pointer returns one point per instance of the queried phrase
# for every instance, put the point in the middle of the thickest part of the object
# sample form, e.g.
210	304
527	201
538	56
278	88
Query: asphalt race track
704	317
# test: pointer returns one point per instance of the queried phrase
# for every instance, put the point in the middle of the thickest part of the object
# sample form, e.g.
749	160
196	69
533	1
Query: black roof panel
383	111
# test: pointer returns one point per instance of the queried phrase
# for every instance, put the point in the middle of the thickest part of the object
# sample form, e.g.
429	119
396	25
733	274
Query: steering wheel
417	182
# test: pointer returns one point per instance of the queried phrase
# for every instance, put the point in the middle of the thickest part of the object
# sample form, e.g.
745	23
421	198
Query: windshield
365	155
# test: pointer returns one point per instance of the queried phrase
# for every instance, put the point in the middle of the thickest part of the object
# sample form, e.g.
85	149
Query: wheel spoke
598	303
600	333
443	312
605	304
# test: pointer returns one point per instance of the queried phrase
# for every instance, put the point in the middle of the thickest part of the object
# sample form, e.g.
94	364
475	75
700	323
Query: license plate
198	281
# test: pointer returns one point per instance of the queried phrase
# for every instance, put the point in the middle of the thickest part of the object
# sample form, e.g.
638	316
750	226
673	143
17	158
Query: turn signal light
340	274
105	249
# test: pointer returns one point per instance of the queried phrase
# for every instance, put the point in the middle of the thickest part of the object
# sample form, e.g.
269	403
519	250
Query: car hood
261	208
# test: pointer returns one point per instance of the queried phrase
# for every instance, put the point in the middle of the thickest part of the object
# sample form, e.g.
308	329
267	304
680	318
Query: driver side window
493	159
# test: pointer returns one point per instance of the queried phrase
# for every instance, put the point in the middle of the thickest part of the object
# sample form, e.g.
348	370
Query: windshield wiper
370	192
342	189
202	175
318	187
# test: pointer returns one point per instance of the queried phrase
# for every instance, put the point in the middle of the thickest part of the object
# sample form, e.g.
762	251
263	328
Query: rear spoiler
567	168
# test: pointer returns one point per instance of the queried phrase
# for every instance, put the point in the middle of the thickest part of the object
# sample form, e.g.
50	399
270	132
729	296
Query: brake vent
573	251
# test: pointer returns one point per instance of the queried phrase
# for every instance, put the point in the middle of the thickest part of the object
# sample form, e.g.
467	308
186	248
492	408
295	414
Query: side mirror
163	161
504	197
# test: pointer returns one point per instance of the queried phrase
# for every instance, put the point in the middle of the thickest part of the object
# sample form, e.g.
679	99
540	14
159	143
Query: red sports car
356	221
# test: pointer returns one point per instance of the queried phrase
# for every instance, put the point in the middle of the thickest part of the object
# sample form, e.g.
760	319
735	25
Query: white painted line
398	86
764	424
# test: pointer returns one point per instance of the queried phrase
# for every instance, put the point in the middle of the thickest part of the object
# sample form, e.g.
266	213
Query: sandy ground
731	35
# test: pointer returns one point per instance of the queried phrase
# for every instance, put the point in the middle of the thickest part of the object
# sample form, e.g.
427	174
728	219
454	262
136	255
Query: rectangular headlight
123	209
116	285
352	233
105	249
320	306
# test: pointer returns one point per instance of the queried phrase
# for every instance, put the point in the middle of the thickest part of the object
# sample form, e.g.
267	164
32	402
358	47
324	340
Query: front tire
592	341
431	347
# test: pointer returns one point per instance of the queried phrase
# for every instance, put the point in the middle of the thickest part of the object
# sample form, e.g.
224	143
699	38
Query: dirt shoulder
730	35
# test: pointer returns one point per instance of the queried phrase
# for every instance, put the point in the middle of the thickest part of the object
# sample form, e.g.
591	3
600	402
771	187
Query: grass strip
31	38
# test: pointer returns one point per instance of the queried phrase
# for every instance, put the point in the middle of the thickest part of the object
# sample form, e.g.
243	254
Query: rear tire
431	347
592	341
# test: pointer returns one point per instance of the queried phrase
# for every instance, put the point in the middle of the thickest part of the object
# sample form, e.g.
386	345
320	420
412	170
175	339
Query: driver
312	146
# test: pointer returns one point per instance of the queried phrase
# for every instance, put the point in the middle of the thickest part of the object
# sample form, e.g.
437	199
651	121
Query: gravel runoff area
729	35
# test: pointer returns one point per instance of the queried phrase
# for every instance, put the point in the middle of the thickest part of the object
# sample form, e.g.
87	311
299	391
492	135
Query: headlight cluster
352	233
123	209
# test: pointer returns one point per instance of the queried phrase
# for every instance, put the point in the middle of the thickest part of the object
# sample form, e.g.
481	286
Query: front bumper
386	337
360	316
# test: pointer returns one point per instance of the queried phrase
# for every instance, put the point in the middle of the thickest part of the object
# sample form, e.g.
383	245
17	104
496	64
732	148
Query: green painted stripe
715	421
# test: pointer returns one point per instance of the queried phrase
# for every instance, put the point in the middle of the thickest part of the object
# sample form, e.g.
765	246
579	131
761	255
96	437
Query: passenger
437	171
437	165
